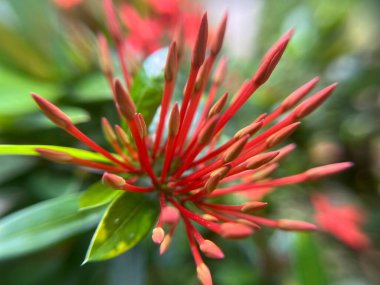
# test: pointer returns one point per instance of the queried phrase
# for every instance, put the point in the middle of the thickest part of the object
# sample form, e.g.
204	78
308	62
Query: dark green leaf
98	194
147	87
7	149
307	262
44	224
126	222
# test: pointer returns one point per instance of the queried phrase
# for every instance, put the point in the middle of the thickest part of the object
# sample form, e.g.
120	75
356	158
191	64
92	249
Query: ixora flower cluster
189	171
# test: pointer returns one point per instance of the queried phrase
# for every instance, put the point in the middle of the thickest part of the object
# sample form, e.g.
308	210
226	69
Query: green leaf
126	222
148	84
92	88
307	262
98	194
7	149
44	224
15	92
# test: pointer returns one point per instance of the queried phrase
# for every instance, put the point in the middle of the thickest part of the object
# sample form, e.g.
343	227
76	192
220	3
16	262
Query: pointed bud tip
165	244
199	51
211	250
53	155
253	206
235	230
204	275
113	180
56	115
293	225
124	102
327	170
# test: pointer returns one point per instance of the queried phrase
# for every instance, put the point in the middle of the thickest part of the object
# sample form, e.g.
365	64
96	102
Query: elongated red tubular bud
105	60
205	135
234	151
112	21
217	42
199	51
210	218
292	225
281	135
171	62
265	172
327	170
201	77
221	171
298	94
284	152
113	180
218	106
211	250
312	103
220	71
158	235
122	135
211	183
249	130
271	59
204	274
261	159
141	125
180	40
235	230
108	131
54	155
52	112
174	121
252	206
124	101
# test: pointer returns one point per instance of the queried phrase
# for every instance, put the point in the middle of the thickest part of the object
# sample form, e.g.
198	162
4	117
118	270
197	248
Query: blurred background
49	47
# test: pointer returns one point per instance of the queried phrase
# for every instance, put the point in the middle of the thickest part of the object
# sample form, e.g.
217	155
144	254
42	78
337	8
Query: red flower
188	167
343	222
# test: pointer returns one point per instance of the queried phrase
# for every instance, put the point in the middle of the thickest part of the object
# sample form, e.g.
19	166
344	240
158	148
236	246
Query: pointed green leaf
7	149
44	224
126	222
98	194
148	84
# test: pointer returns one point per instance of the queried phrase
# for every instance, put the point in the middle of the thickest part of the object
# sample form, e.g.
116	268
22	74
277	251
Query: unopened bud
220	71
217	42
199	51
104	55
165	243
218	106
249	130
312	103
235	230
174	121
54	155
124	102
122	135
253	206
281	135
234	151
158	235
206	134
171	62
141	126
292	225
271	59
201	77
170	215
261	159
327	170
108	131
211	250
297	95
204	274
52	112
113	180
